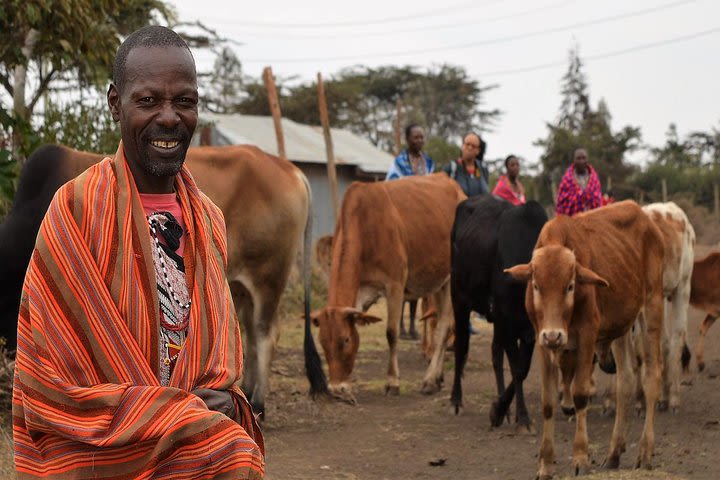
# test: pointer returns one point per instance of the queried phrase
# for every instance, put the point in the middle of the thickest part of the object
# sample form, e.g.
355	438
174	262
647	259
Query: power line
381	21
424	28
463	46
602	56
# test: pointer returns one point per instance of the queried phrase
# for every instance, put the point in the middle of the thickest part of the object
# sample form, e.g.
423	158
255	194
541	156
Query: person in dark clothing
469	170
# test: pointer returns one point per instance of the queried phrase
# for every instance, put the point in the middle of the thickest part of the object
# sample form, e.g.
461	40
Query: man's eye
146	100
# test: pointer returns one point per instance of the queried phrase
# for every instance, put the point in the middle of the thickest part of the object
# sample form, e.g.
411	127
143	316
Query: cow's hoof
496	419
581	466
663	406
611	462
393	390
568	411
522	428
544	476
414	335
405	336
643	463
430	388
456	409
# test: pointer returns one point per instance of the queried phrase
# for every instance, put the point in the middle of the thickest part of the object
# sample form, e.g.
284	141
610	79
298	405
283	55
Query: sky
654	62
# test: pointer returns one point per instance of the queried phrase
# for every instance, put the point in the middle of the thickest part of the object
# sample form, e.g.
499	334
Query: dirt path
396	437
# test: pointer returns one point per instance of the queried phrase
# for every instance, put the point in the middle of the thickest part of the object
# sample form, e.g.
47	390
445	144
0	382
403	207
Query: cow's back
386	227
622	245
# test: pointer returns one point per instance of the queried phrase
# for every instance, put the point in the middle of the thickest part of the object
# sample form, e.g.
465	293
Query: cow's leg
520	373
549	376
413	312
624	388
395	304
498	354
462	345
501	346
266	336
244	307
581	398
700	347
652	365
567	368
434	374
676	332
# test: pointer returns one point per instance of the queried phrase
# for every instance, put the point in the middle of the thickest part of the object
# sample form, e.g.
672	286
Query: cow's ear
587	276
358	317
315	317
367	320
521	273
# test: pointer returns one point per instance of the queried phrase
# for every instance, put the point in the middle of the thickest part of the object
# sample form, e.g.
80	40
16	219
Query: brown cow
266	203
392	239
705	296
592	276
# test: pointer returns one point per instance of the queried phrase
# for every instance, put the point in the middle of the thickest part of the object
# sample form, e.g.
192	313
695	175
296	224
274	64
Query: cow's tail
313	364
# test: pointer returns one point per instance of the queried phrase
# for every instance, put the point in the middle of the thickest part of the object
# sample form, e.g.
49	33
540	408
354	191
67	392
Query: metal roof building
356	158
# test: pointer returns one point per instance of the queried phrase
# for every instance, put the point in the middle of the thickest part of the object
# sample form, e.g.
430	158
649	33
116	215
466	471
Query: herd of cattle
610	286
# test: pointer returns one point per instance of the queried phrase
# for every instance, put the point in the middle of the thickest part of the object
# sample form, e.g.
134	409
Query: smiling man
129	356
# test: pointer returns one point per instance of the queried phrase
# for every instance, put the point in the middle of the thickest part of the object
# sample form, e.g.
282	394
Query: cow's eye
570	288
535	287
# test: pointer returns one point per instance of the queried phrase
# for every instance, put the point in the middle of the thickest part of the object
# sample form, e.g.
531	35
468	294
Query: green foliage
578	126
441	151
80	126
444	99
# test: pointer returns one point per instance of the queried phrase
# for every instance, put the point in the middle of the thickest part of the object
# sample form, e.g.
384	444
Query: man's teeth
163	144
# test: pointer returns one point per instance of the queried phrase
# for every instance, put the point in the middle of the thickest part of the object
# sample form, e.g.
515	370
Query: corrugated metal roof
303	143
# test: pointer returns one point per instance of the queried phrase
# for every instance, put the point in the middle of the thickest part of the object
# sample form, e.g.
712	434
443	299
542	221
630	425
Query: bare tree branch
41	88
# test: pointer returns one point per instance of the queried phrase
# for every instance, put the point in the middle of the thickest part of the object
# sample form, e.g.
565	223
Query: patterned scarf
87	401
572	199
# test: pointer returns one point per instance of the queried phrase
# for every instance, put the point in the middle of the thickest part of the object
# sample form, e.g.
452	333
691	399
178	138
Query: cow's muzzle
343	392
553	338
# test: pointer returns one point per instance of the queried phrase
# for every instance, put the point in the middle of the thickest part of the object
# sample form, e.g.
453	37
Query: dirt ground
398	437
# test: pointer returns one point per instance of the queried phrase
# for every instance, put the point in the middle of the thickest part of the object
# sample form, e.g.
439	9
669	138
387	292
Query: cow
488	236
590	278
705	296
266	202
679	241
323	256
391	239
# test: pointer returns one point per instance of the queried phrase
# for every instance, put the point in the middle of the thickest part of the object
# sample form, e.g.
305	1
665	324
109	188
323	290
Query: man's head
470	147
415	137
580	159
512	167
154	96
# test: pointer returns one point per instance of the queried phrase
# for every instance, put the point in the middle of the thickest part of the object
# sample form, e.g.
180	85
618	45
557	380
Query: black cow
488	236
45	171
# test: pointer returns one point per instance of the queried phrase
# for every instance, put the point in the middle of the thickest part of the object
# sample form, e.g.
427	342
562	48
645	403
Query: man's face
416	140
513	167
157	110
470	146
580	159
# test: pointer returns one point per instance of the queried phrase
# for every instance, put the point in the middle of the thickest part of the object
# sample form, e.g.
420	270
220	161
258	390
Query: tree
224	92
46	42
444	99
578	125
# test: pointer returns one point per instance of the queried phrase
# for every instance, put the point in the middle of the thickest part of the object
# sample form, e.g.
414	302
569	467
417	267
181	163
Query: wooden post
609	184
716	196
664	190
275	110
642	197
329	152
398	126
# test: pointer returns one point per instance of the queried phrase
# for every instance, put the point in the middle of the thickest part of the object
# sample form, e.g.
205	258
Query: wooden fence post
329	151
275	110
664	190
398	126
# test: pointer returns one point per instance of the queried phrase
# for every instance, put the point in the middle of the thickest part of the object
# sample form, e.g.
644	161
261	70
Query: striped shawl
87	402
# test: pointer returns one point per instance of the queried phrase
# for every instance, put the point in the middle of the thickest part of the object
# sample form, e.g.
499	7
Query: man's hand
217	400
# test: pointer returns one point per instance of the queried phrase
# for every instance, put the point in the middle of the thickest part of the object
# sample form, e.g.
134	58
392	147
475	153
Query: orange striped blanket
87	402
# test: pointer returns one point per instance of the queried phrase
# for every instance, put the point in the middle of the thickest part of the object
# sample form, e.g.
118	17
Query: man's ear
521	273
587	276
113	100
358	317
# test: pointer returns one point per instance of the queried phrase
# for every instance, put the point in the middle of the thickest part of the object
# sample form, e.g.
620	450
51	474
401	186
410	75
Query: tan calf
591	276
392	239
705	296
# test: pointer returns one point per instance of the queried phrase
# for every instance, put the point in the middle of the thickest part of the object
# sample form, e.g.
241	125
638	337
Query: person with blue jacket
469	170
412	160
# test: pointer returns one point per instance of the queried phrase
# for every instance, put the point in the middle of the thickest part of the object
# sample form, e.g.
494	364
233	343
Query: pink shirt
165	202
